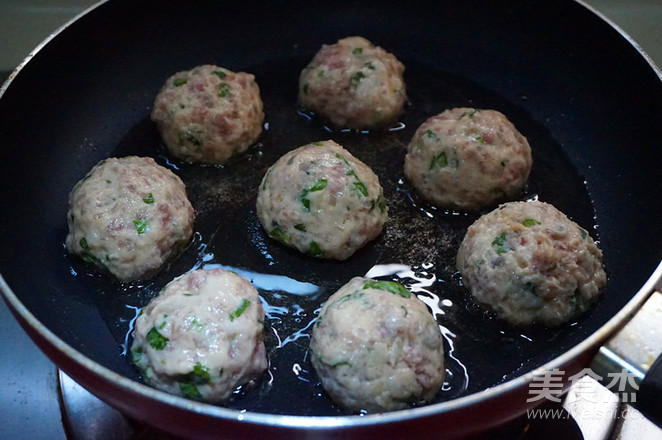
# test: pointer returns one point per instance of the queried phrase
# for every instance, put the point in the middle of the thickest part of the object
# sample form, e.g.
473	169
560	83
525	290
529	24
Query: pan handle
630	363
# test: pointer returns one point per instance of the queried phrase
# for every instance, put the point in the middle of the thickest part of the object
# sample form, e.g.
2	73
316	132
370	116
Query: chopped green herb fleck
320	73
200	374
318	185
179	82
300	227
318	144
480	139
279	234
382	205
156	340
83	243
440	160
108	181
149	199
361	187
137	355
89	257
432	135
315	250
370	66
196	324
142	226
389	286
191	138
356	78
499	242
223	90
584	233
241	309
340	363
219	73
190	391
306	88
357	51
530	222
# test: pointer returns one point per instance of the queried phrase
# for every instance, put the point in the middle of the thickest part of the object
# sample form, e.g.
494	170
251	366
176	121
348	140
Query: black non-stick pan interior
588	103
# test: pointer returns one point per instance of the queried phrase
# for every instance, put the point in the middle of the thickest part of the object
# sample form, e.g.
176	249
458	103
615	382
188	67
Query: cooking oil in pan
417	247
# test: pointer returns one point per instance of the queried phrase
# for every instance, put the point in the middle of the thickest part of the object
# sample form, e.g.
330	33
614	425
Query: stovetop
31	398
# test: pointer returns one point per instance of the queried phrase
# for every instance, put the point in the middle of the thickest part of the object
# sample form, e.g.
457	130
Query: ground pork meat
321	200
208	114
529	263
468	159
376	347
354	84
202	337
129	215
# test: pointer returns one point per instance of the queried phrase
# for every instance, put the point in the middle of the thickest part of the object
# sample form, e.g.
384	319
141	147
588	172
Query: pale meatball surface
202	337
468	159
354	84
376	347
208	114
530	263
129	215
321	200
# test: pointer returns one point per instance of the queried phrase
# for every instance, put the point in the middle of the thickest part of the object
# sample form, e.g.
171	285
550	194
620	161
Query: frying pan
588	102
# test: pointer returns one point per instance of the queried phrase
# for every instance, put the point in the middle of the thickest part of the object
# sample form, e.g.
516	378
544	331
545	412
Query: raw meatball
529	263
468	159
376	347
354	84
129	215
202	337
209	114
321	200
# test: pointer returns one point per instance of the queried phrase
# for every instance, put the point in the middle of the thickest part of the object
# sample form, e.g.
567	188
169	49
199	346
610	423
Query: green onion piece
440	160
389	286
356	78
156	340
190	391
219	73
83	243
530	222
369	65
318	185
137	355
179	82
278	234
432	135
357	51
306	88
361	187
300	227
142	226
340	363
583	232
499	242
382	205
200	374
196	324
149	199
480	139
241	309
318	144
223	90
315	250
